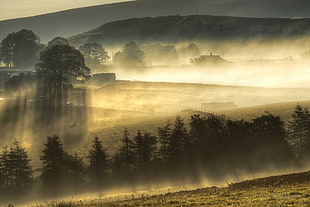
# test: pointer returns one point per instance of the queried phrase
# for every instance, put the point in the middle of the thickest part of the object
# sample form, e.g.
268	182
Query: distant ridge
172	29
70	22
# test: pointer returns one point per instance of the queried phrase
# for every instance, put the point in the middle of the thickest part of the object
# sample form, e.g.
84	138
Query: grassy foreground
279	196
285	190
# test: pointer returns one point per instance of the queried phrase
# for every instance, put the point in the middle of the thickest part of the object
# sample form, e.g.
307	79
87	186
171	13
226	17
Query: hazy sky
10	9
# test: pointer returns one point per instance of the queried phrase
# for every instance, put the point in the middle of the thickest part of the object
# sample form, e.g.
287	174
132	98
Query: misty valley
137	109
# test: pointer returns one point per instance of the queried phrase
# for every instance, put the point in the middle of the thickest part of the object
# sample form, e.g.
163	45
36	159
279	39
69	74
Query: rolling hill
70	22
282	190
173	29
150	105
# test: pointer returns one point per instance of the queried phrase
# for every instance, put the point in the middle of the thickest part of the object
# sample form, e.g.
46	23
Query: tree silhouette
138	146
209	145
61	172
179	141
268	141
6	50
130	56
98	163
144	147
74	173
57	41
94	54
241	146
198	131
126	153
61	62
20	49
145	155
298	129
16	170
4	168
164	138
53	170
20	166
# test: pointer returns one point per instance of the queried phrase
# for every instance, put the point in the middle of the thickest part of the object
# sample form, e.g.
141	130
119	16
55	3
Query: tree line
211	147
23	50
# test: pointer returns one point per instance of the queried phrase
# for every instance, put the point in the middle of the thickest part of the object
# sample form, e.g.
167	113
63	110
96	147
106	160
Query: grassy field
285	190
148	105
270	196
284	110
110	126
162	98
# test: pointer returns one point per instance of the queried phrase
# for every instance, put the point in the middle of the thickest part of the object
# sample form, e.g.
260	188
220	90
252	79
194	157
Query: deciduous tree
130	56
57	41
62	62
95	55
20	49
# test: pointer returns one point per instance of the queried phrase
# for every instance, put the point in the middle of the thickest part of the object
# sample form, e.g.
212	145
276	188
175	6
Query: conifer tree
16	170
61	172
164	138
126	153
53	171
98	163
298	130
20	166
145	147
179	140
4	167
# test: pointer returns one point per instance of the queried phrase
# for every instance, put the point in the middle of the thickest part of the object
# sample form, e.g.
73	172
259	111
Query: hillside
173	29
153	104
70	22
284	110
167	98
283	190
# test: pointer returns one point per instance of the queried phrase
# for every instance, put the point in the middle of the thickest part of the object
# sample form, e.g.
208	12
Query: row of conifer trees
211	147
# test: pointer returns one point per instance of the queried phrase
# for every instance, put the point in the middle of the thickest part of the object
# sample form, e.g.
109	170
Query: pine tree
126	153
179	140
164	138
61	172
21	170
268	141
74	170
298	129
207	138
16	170
4	168
53	171
98	163
138	146
144	147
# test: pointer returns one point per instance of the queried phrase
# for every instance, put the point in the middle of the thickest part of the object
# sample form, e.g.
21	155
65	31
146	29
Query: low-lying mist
257	62
278	74
225	77
249	74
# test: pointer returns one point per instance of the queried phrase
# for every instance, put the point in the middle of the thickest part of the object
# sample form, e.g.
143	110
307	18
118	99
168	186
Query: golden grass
286	195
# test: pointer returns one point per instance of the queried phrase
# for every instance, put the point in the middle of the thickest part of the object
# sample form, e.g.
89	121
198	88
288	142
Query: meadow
285	190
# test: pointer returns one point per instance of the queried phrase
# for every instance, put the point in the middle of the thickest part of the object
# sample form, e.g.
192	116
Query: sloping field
172	29
284	110
145	106
284	190
163	97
